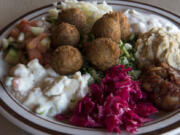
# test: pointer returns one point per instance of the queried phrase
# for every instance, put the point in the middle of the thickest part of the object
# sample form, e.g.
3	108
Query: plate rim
51	5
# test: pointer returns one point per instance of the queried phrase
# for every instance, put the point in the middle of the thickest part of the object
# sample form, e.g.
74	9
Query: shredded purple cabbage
116	103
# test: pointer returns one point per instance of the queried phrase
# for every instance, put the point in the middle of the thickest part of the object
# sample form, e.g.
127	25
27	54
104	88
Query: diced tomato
24	43
34	42
25	25
42	48
34	53
14	33
34	23
24	21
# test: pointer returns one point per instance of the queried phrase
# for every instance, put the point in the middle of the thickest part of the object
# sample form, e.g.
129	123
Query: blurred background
11	9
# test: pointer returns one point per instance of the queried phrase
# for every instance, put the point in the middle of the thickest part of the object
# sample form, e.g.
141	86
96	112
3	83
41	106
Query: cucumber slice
21	37
51	19
54	12
46	42
11	39
12	57
37	30
5	43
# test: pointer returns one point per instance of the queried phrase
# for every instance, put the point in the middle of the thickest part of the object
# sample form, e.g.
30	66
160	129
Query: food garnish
95	67
116	103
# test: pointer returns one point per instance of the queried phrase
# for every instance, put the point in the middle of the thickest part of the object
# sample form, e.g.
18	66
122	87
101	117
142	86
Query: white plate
25	119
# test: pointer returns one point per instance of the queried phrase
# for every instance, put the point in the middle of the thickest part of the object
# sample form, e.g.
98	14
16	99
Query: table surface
19	7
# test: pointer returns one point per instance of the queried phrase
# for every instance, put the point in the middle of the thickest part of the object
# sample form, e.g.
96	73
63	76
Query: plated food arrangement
94	67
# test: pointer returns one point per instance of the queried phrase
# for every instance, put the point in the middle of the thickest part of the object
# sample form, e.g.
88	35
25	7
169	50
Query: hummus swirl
158	45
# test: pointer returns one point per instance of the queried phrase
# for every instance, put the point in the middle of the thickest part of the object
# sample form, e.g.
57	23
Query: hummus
158	45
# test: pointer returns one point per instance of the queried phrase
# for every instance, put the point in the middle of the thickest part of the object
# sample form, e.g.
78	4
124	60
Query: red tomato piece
34	42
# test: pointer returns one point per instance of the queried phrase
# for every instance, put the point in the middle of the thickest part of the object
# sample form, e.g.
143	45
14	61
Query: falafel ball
103	53
124	24
108	26
66	59
65	34
73	16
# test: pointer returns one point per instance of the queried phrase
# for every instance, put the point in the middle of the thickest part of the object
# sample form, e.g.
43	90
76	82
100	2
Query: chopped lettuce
88	68
127	58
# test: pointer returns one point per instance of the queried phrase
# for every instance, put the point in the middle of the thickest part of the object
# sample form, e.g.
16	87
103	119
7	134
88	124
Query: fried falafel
108	26
65	34
73	16
124	24
66	59
103	53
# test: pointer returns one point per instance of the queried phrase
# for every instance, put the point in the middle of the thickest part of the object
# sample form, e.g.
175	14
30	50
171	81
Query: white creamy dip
44	91
142	22
158	45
